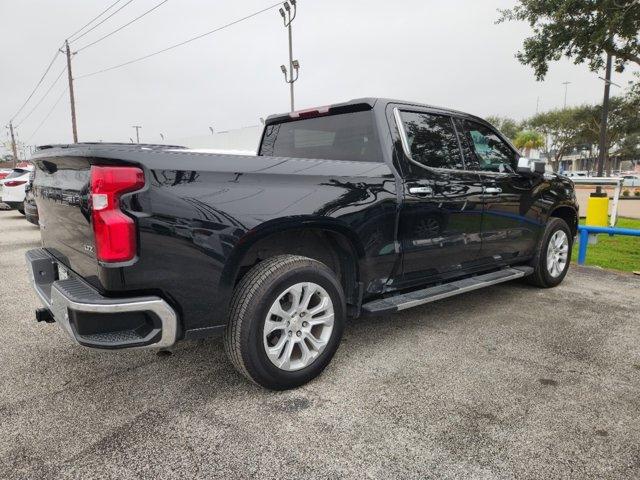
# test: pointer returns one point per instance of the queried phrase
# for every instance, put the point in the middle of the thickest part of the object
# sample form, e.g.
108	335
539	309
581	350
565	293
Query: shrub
636	193
626	192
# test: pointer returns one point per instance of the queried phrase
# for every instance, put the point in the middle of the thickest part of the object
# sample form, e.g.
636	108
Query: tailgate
61	192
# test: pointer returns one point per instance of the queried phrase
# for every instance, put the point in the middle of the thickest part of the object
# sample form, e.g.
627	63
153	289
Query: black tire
250	304
541	277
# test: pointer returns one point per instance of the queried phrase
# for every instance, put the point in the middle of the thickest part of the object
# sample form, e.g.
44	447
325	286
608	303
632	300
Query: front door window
488	151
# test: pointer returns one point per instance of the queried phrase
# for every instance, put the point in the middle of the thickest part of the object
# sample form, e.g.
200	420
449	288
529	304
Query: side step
431	294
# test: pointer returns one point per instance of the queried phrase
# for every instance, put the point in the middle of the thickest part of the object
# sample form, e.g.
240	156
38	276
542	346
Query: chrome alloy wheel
557	253
298	326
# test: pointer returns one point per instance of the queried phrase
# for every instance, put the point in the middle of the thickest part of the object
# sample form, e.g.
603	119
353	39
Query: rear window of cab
347	136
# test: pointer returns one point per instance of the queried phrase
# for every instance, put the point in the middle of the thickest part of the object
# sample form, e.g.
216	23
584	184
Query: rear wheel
285	321
554	255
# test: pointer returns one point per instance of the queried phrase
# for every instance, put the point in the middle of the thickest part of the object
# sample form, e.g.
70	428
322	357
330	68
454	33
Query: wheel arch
569	215
324	239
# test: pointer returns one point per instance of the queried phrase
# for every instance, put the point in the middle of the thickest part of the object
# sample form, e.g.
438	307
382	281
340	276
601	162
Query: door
440	216
510	220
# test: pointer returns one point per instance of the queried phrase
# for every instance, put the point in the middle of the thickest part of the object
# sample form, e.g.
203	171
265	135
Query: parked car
4	172
13	188
631	180
576	174
357	209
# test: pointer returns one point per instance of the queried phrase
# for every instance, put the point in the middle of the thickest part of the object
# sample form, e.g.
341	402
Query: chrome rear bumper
92	320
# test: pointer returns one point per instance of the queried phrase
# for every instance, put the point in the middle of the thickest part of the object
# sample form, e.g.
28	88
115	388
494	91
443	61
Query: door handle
492	190
421	190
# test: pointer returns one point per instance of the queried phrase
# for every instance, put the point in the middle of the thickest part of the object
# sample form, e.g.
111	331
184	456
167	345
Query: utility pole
288	15
13	145
137	127
566	86
602	145
71	94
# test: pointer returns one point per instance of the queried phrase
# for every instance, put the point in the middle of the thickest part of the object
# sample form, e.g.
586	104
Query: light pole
288	14
72	97
566	86
137	127
602	143
13	144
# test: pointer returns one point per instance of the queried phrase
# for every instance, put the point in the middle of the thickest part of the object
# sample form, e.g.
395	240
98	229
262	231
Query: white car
13	188
575	174
631	181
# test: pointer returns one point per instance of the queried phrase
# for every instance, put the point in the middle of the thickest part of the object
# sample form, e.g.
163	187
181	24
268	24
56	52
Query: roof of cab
359	104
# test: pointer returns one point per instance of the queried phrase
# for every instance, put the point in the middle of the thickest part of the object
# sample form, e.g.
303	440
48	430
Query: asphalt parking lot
507	382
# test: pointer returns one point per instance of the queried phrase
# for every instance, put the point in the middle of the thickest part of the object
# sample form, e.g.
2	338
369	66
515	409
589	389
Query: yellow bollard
598	211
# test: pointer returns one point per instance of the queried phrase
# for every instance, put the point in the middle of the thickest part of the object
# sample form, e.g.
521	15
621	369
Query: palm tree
528	140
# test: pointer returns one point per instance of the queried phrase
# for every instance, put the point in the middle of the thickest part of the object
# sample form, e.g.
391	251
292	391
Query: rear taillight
115	232
14	183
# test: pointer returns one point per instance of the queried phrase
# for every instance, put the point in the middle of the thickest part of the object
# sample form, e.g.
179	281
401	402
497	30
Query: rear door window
432	140
348	136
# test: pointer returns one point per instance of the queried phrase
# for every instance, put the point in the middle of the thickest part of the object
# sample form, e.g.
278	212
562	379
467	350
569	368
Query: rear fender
264	230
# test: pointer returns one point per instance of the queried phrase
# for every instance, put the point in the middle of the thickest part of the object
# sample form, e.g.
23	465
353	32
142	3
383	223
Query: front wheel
554	255
285	321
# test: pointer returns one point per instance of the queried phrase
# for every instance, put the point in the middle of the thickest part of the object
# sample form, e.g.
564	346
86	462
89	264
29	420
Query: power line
181	43
37	85
64	69
101	22
123	26
56	56
47	116
94	19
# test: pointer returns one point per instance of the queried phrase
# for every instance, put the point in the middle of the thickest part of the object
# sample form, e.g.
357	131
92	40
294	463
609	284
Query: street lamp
288	14
137	127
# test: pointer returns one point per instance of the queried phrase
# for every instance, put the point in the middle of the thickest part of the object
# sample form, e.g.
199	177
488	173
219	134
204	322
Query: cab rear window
347	136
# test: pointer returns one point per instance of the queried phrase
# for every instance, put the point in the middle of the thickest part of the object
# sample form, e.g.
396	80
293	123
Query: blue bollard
585	230
582	249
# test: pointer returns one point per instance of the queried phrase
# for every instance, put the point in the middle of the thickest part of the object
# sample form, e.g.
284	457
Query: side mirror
530	167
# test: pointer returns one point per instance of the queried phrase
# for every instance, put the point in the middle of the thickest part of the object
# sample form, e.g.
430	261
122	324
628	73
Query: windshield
347	136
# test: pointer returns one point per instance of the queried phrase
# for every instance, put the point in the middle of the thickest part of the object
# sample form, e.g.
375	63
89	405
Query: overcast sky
443	52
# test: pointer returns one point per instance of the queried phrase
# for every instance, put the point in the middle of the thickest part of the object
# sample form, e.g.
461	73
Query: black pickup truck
360	208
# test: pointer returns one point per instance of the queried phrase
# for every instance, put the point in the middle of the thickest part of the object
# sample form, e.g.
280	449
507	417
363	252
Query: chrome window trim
407	151
405	142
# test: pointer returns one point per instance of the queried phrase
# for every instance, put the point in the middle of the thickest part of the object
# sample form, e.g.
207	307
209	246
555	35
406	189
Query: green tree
506	125
629	148
623	126
584	30
561	128
526	140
